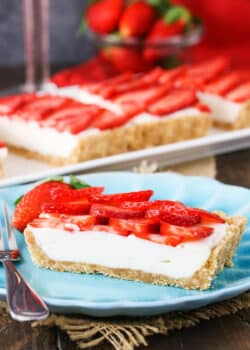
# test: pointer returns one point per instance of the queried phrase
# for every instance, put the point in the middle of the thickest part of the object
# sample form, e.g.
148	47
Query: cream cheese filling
115	251
222	109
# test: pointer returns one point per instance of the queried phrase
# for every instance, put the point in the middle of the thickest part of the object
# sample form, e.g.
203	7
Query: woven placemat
126	333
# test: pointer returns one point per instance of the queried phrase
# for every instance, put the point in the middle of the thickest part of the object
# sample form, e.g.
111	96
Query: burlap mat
126	333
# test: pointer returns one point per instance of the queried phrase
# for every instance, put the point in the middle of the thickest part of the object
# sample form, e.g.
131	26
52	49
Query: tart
63	127
126	235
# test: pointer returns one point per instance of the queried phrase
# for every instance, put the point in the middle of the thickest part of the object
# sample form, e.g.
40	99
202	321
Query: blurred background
225	24
66	46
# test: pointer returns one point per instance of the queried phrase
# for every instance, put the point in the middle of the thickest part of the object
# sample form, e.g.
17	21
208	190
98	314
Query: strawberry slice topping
64	222
177	234
206	217
174	101
68	207
135	225
137	196
224	83
10	104
240	93
42	106
208	70
109	211
143	97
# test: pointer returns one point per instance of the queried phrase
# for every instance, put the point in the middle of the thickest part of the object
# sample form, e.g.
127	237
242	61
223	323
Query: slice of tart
126	235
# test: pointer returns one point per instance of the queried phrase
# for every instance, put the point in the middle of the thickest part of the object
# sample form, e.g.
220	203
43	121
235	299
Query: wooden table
227	333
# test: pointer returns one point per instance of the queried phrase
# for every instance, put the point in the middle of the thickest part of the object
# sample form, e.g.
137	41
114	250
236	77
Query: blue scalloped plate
103	296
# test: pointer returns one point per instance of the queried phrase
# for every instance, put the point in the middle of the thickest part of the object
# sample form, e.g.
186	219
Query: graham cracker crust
220	256
145	135
128	138
241	122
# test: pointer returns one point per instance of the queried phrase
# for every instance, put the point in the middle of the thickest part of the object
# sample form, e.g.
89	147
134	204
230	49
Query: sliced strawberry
224	83
84	222
137	196
73	194
109	120
135	225
173	74
172	102
184	234
174	213
207	217
77	207
135	205
42	106
136	83
110	229
65	223
142	98
240	94
10	104
208	70
30	205
109	211
118	80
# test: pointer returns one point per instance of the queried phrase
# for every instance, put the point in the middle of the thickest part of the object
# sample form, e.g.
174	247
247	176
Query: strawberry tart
71	125
3	155
225	91
126	235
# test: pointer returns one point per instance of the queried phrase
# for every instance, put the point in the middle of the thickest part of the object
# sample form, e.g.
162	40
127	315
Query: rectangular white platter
21	170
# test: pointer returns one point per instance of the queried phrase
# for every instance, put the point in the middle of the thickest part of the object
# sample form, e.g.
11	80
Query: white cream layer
148	118
115	251
50	142
29	135
3	152
222	109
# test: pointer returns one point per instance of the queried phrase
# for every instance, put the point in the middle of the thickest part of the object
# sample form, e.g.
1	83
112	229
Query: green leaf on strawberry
178	12
76	183
18	200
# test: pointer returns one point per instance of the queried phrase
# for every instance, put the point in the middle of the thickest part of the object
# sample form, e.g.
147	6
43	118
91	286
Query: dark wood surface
227	333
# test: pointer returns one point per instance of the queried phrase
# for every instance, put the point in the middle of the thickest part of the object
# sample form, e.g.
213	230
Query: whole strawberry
103	16
126	59
29	207
137	19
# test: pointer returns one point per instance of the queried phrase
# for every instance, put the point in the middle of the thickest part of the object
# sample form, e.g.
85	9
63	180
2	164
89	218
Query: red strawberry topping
240	94
58	205
173	101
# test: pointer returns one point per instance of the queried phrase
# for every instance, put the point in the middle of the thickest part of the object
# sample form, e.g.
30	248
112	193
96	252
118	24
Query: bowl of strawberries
137	34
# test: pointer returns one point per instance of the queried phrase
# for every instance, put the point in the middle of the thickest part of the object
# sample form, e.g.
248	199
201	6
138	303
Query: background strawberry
137	19
127	59
103	16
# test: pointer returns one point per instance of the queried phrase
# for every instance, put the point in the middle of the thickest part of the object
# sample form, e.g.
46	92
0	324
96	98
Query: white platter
21	170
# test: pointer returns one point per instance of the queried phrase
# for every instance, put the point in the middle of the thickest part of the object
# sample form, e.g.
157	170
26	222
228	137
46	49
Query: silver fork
24	304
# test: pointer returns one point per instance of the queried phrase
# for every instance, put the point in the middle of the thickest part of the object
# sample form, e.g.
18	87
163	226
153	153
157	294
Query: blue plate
103	296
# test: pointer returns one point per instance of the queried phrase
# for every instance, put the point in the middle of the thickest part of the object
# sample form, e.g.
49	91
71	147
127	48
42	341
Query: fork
23	302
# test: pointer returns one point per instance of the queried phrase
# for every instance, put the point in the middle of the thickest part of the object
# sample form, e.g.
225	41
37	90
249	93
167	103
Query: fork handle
24	304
